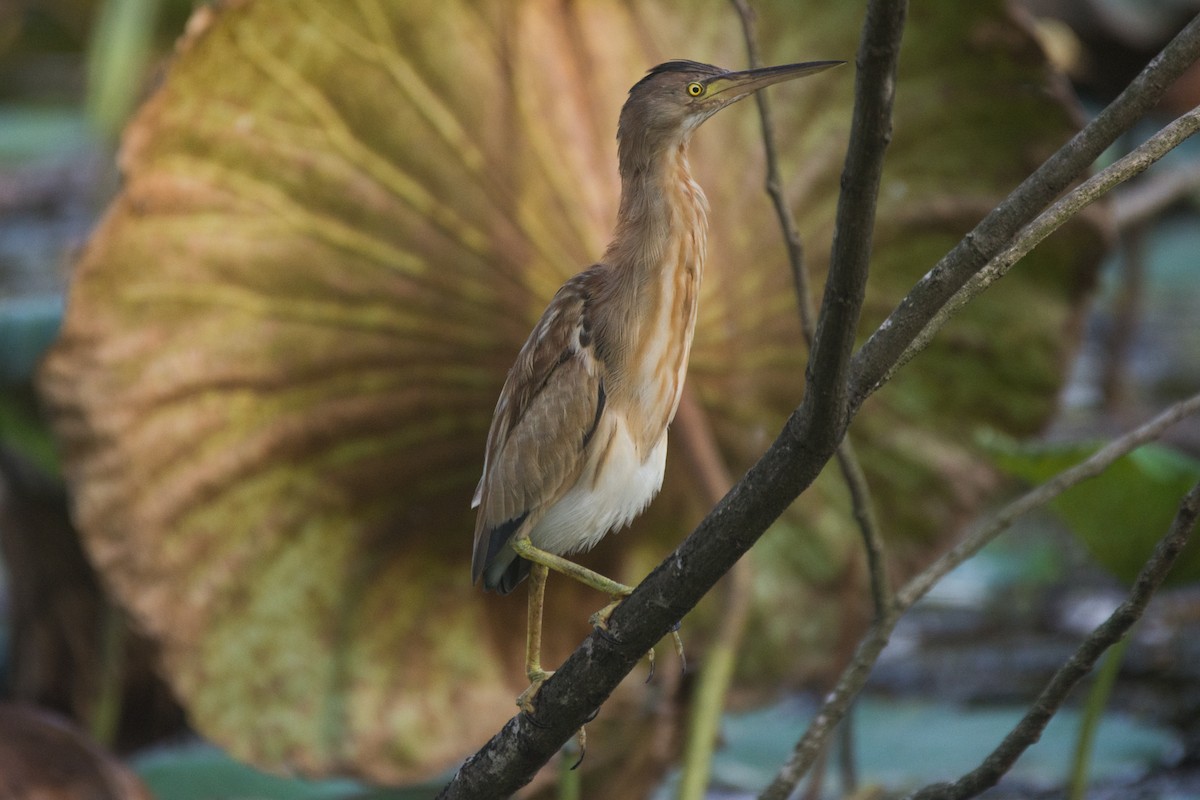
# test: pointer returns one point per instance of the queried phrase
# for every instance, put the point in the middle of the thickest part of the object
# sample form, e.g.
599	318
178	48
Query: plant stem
1093	712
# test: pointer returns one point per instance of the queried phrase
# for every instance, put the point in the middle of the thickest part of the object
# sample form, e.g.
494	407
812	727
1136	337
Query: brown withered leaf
44	757
284	344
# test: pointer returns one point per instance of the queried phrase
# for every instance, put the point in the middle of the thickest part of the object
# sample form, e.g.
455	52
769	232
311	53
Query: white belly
616	485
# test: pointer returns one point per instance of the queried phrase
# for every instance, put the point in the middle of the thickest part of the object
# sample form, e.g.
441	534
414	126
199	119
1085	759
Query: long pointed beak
733	86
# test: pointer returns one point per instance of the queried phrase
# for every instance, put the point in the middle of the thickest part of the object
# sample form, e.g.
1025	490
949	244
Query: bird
578	439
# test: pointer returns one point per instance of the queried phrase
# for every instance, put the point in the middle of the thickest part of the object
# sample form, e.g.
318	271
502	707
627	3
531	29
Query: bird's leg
533	638
533	650
526	549
617	592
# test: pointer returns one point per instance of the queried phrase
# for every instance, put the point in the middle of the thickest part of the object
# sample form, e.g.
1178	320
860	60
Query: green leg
526	550
533	638
543	561
533	649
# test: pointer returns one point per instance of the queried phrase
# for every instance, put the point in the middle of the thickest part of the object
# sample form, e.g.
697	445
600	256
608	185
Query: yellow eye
695	89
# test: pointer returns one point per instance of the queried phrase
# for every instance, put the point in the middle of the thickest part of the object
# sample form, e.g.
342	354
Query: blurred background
80	690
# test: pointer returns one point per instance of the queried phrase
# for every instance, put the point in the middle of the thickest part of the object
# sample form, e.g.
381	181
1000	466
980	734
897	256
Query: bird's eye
695	89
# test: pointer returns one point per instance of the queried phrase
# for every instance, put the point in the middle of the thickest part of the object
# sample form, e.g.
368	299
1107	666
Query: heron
578	440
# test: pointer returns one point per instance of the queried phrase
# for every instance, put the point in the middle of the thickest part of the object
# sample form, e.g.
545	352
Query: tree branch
1029	730
854	677
585	680
886	345
1051	220
825	396
835	389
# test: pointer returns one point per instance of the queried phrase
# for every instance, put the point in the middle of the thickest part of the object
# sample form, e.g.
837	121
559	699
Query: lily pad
283	345
952	741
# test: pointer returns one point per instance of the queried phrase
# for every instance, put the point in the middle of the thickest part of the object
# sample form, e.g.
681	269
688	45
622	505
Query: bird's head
675	97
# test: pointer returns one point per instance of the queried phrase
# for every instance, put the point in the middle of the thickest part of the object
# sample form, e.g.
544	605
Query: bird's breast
661	356
616	484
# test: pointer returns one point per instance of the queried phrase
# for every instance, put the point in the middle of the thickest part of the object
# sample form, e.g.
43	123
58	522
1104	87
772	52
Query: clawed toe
600	619
526	698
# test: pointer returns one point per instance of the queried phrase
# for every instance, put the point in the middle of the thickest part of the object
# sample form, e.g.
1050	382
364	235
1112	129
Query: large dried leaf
284	344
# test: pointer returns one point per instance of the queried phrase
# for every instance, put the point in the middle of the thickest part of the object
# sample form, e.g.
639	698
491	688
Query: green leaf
1121	514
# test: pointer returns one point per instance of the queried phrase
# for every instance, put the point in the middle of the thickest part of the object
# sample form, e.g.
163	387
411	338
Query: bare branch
1148	199
1039	496
1051	220
835	389
1029	730
854	677
883	350
825	396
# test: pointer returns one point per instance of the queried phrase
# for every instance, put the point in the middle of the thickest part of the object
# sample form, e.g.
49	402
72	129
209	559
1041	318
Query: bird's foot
536	678
600	618
678	641
526	703
599	621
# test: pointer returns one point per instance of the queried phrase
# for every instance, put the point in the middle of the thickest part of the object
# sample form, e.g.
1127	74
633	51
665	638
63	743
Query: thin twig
1099	461
854	677
1030	728
852	472
878	356
811	435
1145	200
774	185
1051	220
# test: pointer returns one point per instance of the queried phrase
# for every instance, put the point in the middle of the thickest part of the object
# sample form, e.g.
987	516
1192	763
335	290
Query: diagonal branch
887	344
573	694
1050	220
854	677
1112	630
836	388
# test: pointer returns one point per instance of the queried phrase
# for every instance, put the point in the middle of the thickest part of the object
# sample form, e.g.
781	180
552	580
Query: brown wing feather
550	404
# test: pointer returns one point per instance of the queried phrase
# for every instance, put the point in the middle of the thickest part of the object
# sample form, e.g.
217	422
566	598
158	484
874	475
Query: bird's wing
551	404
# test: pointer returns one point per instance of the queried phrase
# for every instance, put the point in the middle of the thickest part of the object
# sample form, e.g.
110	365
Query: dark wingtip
499	570
514	573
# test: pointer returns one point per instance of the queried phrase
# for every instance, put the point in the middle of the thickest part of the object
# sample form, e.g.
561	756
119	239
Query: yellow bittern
579	437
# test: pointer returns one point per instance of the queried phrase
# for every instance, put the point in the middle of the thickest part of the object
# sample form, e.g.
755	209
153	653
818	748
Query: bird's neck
656	260
660	202
662	223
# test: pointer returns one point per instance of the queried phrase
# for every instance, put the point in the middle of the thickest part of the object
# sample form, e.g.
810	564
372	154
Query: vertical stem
856	480
695	435
570	780
847	758
1093	712
105	716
